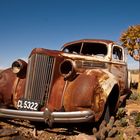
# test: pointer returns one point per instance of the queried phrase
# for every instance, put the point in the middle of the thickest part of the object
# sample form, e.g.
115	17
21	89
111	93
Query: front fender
89	91
7	79
108	82
11	88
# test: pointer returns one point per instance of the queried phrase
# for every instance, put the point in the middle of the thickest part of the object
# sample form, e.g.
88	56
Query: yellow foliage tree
131	40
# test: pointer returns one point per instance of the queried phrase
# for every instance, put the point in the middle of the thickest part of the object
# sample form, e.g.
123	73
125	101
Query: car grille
39	78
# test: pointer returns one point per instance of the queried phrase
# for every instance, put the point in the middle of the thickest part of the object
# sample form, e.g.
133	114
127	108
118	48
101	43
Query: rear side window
117	53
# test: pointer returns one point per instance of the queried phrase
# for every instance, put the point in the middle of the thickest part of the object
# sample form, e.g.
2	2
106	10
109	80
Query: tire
106	114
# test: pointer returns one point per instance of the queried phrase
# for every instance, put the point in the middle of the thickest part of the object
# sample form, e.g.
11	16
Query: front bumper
49	117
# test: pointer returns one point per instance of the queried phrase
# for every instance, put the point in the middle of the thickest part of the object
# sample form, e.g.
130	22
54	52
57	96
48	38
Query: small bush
137	120
135	96
120	113
124	122
138	133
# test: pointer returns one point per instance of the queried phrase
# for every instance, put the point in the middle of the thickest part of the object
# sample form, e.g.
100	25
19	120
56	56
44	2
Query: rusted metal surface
85	93
7	79
107	42
19	90
81	77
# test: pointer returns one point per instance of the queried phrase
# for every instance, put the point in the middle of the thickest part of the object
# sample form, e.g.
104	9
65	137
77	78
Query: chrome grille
39	77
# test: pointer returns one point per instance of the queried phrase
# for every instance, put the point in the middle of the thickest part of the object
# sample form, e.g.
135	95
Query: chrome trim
39	78
49	117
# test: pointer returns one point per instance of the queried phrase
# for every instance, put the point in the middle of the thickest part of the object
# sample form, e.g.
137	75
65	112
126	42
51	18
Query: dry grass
134	75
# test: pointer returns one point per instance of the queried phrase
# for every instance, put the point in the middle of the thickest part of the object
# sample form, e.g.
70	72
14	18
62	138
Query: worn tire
106	114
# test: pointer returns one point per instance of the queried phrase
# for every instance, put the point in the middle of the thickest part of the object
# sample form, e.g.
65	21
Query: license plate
27	105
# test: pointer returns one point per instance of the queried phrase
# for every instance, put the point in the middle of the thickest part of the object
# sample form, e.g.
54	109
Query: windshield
87	49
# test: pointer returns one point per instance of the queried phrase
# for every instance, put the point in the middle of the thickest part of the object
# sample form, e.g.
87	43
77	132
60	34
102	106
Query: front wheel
107	114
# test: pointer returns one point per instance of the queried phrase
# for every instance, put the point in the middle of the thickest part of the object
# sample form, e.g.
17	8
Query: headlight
67	69
19	66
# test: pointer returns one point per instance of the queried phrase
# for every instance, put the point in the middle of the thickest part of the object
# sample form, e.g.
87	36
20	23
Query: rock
85	137
112	132
8	132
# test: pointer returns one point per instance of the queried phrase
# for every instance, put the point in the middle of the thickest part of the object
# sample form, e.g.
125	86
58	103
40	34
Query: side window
117	53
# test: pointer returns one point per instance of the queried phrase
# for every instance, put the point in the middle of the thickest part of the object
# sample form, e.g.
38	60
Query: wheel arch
111	105
113	99
111	89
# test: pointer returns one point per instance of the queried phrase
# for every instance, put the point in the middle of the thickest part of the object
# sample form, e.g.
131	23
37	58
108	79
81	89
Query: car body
82	82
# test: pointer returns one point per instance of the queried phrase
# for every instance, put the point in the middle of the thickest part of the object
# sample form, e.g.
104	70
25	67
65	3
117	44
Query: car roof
90	41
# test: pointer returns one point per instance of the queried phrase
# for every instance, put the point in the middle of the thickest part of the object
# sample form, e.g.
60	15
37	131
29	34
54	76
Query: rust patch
7	79
79	92
56	99
19	89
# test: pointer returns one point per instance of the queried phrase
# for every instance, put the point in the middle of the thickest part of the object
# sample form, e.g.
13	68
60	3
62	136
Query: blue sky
28	24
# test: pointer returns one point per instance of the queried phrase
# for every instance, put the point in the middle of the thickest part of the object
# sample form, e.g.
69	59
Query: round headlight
19	67
67	69
16	67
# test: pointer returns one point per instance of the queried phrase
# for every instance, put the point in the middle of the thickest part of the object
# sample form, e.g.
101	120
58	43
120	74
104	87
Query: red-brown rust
55	100
89	40
11	88
19	89
45	52
121	74
84	93
7	78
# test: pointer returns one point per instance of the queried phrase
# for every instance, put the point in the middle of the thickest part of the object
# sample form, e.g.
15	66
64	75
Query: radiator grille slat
39	77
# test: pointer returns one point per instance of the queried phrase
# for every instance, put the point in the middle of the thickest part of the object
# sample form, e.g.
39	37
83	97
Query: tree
131	40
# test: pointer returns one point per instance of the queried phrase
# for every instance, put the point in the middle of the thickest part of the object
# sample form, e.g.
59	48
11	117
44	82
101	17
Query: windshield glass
73	48
87	49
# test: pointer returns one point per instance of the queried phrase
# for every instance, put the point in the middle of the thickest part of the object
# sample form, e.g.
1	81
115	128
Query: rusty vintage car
83	82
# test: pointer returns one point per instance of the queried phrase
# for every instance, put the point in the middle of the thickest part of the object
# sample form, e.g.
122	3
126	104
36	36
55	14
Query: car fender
89	90
7	79
107	83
